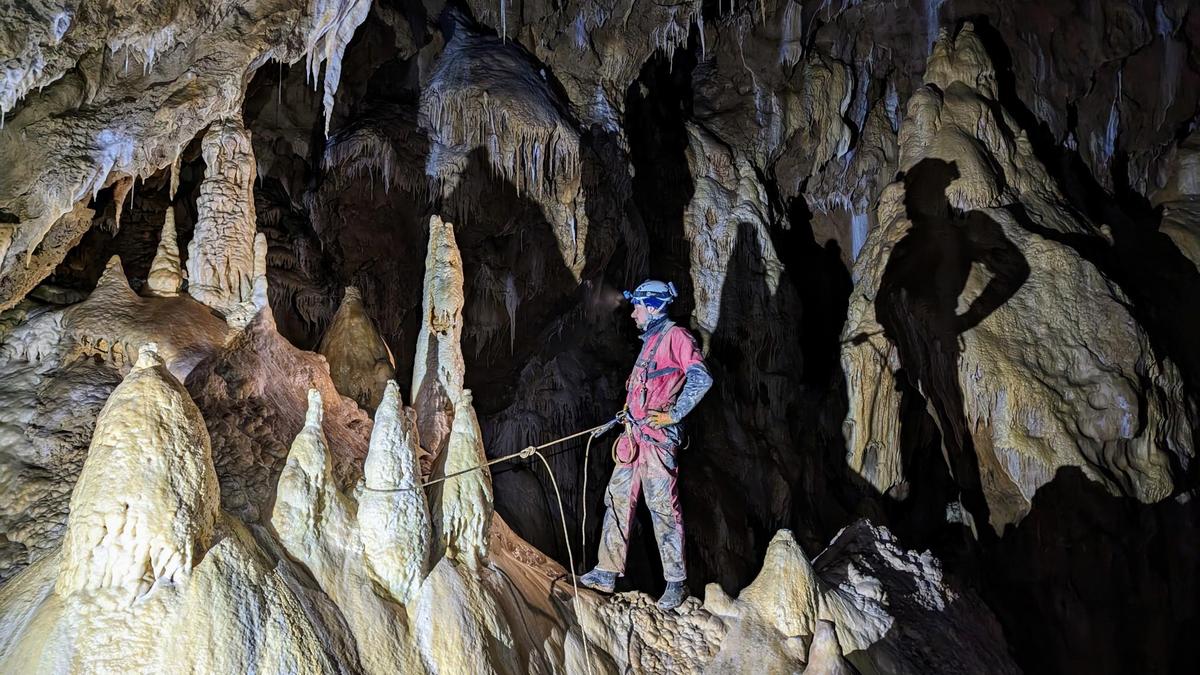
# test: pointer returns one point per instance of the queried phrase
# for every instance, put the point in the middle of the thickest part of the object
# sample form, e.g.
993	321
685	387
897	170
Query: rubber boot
600	580
673	596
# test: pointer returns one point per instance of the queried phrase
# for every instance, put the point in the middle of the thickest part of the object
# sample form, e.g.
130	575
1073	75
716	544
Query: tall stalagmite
220	264
438	364
396	528
166	276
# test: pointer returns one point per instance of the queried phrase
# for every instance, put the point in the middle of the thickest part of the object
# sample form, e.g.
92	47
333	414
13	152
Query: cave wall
756	154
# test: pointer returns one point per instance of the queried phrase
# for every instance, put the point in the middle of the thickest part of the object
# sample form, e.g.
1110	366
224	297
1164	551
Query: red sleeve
684	351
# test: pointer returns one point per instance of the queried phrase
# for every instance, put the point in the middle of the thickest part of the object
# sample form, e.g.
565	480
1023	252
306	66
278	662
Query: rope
523	454
562	514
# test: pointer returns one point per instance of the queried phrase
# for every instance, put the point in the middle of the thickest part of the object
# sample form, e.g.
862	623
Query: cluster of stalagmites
364	569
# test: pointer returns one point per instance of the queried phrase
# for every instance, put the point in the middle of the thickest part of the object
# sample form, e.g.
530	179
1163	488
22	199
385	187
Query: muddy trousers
653	473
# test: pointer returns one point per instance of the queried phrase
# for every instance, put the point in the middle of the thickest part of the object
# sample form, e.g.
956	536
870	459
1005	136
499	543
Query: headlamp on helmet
653	294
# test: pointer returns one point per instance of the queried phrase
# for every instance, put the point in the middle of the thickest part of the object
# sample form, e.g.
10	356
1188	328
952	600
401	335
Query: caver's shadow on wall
917	306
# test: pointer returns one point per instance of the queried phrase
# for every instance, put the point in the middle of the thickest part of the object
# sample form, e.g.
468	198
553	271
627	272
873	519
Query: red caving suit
669	364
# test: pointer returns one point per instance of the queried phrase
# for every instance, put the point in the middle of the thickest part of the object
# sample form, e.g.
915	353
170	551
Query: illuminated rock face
149	458
1028	354
176	68
384	586
943	258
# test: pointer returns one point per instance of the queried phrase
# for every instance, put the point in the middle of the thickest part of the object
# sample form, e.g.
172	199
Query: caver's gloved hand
660	418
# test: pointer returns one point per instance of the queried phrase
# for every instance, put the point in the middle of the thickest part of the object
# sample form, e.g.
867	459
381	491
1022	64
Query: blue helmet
653	294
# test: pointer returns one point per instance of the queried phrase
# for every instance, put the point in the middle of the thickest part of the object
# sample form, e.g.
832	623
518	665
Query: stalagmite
221	256
359	360
396	528
145	506
317	524
438	365
466	501
306	493
166	276
908	316
825	655
114	321
151	577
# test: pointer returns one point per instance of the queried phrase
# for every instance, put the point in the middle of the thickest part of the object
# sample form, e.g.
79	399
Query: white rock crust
396	527
466	501
149	457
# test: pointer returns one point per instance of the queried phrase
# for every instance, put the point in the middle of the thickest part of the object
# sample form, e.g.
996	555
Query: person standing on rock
669	378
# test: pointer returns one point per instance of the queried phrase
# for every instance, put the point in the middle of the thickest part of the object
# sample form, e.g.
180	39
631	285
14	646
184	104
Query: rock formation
359	360
396	527
166	275
438	364
465	506
942	258
1017	279
221	255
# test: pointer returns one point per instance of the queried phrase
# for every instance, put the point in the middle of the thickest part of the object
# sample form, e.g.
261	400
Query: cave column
221	256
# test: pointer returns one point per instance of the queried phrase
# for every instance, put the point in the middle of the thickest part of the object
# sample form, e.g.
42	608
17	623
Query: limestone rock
727	198
221	254
865	601
485	93
317	525
145	505
465	506
1030	320
114	321
174	69
396	528
166	276
438	364
254	393
360	362
1180	198
825	655
151	577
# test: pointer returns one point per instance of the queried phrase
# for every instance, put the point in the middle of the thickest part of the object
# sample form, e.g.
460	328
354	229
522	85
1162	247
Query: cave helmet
653	294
